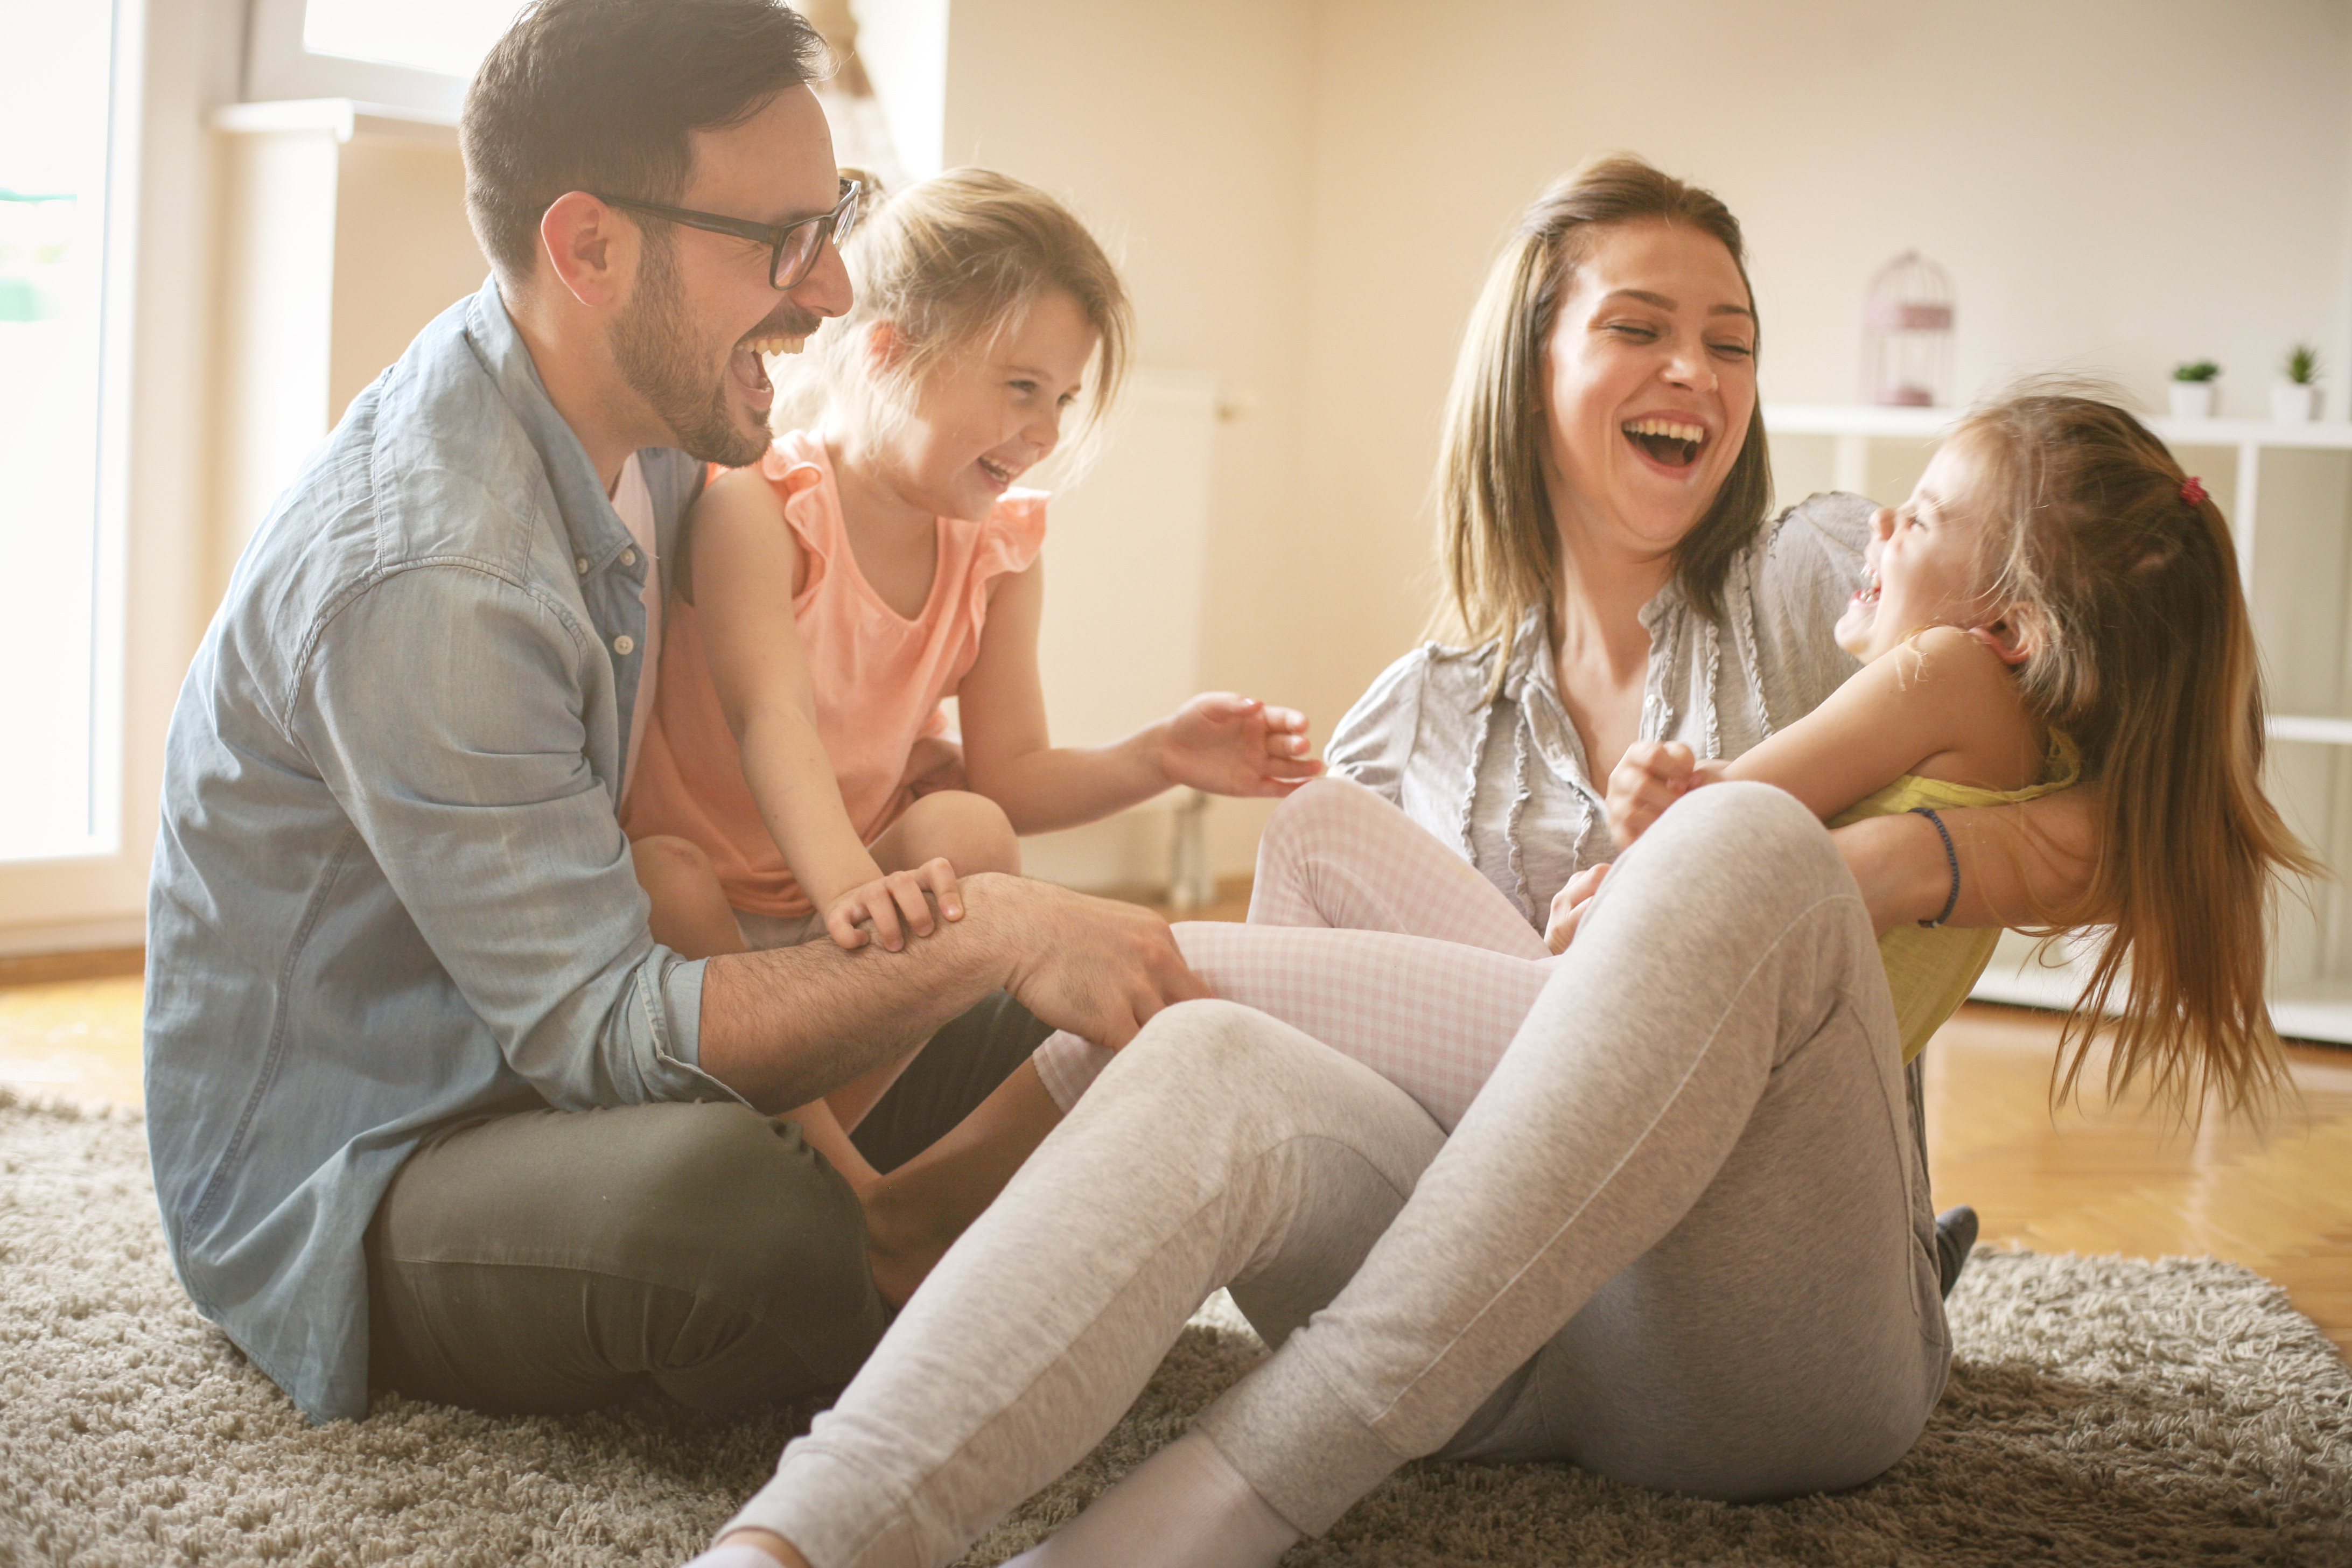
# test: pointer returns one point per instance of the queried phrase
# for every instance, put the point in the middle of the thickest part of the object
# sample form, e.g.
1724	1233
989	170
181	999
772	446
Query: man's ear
592	254
2016	635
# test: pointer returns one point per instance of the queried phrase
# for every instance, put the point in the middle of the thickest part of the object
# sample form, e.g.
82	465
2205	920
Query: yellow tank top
1931	971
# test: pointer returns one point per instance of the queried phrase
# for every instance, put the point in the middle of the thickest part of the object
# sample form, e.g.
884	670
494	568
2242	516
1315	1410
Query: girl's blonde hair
2146	656
1495	517
951	263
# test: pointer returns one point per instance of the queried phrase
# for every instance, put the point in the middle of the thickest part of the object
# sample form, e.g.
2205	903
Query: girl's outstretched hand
894	904
1230	744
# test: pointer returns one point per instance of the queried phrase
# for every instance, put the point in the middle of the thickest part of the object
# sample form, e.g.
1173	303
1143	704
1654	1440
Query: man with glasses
429	1110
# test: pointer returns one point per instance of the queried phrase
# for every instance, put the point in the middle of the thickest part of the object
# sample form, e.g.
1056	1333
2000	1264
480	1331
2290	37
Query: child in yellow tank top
1931	971
2057	602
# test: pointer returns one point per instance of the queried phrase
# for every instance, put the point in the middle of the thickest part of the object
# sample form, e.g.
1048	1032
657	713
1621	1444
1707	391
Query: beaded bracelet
1951	855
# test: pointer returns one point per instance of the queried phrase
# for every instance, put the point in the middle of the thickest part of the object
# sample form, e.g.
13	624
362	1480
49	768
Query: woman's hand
1230	744
1567	905
891	899
1652	776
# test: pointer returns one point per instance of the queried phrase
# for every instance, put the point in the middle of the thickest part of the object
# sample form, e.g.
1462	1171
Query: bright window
448	36
57	792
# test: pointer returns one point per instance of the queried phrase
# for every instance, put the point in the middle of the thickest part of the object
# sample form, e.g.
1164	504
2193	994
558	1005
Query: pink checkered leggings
1369	935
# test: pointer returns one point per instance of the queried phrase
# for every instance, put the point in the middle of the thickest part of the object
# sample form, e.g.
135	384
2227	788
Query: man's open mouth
1670	441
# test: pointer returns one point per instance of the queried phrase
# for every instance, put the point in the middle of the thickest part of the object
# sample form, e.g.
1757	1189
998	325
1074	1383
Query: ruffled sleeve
1374	740
797	468
1009	542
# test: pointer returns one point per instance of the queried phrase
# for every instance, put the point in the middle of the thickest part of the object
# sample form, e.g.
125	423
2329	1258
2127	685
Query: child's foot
1185	1507
905	1238
1956	1236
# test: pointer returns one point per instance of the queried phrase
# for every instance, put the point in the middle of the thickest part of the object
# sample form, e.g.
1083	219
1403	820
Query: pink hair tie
2192	491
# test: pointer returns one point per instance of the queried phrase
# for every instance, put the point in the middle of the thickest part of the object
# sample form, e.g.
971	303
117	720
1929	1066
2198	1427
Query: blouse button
629	557
624	645
580	565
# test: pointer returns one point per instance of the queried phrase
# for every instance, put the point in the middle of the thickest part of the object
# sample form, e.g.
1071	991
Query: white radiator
1125	589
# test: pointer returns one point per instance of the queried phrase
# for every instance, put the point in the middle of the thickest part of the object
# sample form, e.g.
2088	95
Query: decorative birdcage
1906	334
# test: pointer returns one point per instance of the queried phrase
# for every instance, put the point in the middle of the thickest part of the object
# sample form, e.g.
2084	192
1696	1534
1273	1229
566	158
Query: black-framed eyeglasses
793	248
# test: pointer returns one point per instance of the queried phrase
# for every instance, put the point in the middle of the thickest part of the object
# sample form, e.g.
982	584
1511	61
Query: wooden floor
2115	1181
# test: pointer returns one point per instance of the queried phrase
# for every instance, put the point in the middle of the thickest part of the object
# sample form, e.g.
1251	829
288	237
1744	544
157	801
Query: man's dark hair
602	95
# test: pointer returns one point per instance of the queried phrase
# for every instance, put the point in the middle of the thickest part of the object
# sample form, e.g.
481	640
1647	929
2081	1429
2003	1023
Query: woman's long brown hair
1501	550
2146	656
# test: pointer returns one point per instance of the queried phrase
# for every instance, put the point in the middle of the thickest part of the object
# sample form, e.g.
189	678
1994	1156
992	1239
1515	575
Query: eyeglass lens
798	252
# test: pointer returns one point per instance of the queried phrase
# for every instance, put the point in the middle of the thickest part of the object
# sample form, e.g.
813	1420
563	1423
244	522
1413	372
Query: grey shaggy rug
2100	1411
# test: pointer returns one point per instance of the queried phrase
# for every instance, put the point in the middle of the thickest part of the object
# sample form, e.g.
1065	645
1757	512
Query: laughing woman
1681	1236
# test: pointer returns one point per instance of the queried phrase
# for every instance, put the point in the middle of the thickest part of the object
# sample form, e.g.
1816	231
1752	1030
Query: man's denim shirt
390	892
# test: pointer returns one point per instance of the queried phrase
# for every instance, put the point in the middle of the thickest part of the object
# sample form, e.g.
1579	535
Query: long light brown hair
1501	547
2146	656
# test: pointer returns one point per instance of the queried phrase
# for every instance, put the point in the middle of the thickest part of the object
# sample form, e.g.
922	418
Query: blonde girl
2056	600
797	779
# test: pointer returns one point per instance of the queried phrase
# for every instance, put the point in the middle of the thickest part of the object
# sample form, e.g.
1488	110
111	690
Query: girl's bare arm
1230	744
746	569
1944	706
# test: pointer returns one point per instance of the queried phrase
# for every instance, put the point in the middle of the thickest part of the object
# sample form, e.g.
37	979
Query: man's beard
653	347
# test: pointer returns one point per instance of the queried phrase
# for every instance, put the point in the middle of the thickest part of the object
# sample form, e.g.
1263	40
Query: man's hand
1092	967
1567	905
891	899
1652	776
1230	744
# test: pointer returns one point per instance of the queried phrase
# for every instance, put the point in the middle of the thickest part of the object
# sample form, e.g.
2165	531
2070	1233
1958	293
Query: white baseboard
83	936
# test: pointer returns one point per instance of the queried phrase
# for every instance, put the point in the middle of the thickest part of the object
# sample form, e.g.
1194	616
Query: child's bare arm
1944	705
746	568
1217	741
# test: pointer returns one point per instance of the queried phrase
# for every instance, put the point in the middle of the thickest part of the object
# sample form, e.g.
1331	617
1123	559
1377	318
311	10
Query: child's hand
1567	905
1230	744
1653	776
883	902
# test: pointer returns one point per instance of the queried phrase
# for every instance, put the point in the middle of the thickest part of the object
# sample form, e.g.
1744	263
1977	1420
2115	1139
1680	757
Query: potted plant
2295	400
2193	389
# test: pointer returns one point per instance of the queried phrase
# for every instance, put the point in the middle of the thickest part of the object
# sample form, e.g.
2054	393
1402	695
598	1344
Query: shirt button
628	557
624	645
580	565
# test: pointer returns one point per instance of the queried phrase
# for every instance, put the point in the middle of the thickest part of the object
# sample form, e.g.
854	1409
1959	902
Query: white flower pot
2193	399
2295	405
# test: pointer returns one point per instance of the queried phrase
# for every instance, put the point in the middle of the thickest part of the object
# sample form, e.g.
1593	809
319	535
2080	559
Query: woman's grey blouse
1507	783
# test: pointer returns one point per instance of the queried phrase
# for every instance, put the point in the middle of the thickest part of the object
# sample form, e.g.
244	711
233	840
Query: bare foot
905	1236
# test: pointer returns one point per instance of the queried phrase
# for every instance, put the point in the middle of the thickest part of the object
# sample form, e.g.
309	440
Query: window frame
278	66
172	60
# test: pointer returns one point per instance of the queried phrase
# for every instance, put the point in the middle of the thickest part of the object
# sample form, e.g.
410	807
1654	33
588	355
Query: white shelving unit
2287	491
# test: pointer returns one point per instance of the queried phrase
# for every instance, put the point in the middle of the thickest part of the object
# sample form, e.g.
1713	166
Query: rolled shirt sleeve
445	709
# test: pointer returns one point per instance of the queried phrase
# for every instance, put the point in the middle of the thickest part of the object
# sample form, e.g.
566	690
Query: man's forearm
785	1026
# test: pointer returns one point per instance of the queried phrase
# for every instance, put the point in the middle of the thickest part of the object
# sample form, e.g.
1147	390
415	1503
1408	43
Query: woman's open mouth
1668	441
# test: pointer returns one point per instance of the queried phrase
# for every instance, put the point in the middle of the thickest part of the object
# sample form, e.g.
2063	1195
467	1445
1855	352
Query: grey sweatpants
1682	1237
